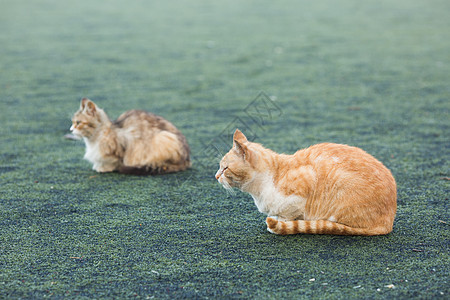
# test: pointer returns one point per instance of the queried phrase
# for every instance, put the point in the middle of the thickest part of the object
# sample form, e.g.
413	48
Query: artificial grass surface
372	74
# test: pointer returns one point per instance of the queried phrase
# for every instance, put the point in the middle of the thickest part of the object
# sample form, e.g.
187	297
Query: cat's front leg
104	168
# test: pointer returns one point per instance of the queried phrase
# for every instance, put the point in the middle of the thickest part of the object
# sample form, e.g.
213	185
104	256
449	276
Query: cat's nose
218	174
72	128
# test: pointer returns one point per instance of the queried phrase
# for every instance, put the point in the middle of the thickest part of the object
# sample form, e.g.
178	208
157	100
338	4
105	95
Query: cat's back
343	161
338	163
337	154
143	121
151	130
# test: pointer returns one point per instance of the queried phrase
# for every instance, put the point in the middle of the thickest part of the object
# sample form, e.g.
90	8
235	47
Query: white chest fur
92	152
272	202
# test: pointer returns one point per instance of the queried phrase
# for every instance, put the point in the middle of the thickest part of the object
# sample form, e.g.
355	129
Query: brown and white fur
324	189
138	142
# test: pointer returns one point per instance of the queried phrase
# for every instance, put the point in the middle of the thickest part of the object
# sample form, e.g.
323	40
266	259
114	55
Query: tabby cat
324	189
138	142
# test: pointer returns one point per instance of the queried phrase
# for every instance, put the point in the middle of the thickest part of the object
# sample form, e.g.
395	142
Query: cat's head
241	164
87	119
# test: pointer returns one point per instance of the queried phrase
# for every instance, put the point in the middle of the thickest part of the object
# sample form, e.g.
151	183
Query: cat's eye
227	174
223	170
78	122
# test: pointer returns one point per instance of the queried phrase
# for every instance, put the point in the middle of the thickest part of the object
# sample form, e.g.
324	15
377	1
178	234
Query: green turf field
289	74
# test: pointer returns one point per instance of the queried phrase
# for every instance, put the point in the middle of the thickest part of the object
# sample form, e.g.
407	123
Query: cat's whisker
231	191
228	188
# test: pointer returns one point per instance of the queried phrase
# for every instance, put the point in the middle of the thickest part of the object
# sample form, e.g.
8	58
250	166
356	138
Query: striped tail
319	227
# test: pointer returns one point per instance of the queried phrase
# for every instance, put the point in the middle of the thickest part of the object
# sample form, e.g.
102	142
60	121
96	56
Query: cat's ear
240	149
83	103
239	145
89	107
239	136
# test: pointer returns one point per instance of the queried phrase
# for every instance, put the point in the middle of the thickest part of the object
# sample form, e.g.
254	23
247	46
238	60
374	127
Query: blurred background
373	74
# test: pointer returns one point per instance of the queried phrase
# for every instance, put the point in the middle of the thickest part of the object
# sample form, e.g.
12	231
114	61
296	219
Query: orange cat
138	142
324	189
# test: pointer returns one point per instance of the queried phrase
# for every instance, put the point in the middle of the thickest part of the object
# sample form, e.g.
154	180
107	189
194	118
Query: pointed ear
83	103
240	149
239	136
89	107
239	145
243	151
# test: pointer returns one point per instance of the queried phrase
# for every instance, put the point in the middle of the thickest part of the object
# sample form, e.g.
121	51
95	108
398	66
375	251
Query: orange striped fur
138	142
324	189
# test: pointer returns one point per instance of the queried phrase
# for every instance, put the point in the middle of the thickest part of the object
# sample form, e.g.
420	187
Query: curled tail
320	227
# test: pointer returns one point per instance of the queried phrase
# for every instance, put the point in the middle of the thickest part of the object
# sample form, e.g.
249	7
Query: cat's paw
271	231
104	169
